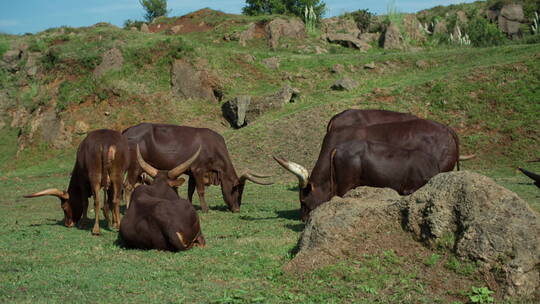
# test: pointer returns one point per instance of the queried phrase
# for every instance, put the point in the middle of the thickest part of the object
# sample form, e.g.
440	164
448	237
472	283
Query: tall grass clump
534	25
482	33
393	15
310	19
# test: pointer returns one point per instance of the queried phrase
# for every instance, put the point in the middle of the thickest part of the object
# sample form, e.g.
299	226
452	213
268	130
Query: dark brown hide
159	219
364	118
102	160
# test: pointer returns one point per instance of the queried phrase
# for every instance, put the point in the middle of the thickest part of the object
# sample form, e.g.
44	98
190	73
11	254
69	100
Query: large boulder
10	60
345	84
290	28
348	40
393	38
190	83
110	60
484	222
413	28
248	34
337	25
464	212
510	19
242	110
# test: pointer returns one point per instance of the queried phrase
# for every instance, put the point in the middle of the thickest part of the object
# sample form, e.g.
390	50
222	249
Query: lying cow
157	217
102	160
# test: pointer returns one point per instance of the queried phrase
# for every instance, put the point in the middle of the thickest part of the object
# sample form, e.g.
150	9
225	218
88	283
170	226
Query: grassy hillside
490	96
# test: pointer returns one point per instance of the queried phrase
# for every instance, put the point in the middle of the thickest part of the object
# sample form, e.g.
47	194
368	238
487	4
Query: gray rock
11	59
421	64
144	28
248	34
369	37
337	25
347	40
320	50
187	82
81	127
393	38
440	28
291	28
235	110
176	29
110	60
272	62
412	28
464	212
31	65
247	58
338	68
345	84
370	65
510	20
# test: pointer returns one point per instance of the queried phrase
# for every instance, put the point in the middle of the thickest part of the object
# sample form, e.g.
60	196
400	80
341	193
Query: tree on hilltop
283	7
154	9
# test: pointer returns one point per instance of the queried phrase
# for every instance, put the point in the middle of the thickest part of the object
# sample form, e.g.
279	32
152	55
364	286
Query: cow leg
117	193
199	181
191	188
95	194
106	209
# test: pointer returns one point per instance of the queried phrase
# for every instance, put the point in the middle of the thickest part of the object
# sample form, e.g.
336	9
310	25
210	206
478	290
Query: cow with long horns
157	217
422	135
102	160
164	145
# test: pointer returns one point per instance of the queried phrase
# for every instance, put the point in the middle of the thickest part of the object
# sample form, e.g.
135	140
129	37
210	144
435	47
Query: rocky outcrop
345	84
510	19
440	28
348	40
110	60
272	62
464	212
412	28
190	83
337	25
289	28
242	110
393	38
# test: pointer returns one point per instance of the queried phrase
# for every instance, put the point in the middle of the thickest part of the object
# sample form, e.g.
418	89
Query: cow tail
107	157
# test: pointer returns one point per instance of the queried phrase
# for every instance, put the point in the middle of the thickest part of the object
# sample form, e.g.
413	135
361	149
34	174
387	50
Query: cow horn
144	165
466	157
534	160
530	174
54	192
178	170
295	169
254	178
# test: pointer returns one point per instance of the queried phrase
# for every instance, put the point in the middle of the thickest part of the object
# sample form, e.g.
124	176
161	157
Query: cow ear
177	182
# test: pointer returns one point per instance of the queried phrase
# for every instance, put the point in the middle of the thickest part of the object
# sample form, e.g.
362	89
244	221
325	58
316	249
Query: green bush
480	295
362	18
132	23
283	7
483	33
154	9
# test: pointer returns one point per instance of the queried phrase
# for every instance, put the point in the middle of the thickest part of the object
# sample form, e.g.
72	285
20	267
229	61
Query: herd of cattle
361	148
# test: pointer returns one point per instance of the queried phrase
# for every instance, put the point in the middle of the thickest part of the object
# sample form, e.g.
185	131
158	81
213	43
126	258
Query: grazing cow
535	177
157	217
102	159
163	146
422	135
364	118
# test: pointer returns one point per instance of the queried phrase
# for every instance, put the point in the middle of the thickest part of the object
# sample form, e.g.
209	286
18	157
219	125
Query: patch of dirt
190	23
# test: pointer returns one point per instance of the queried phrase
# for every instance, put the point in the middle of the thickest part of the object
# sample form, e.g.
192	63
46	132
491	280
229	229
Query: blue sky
21	16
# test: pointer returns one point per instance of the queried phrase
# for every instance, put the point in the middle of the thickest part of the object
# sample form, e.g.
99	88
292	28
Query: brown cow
364	118
102	159
163	146
157	217
426	136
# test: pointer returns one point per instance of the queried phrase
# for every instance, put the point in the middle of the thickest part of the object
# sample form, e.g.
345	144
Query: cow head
233	190
311	194
170	177
70	204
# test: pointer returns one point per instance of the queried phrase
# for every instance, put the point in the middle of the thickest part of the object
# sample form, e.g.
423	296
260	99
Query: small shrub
482	33
132	23
362	18
154	9
432	259
480	295
462	268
